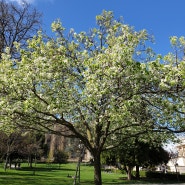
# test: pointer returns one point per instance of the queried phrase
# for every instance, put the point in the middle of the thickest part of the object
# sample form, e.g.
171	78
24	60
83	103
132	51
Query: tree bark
137	172
6	162
97	169
30	161
129	172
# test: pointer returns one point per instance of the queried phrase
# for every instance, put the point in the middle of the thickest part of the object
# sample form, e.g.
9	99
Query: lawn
43	174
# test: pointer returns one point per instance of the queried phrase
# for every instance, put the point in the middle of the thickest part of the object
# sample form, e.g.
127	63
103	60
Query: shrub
166	176
60	157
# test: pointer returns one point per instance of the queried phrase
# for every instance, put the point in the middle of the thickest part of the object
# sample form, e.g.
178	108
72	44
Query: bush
166	176
153	174
60	157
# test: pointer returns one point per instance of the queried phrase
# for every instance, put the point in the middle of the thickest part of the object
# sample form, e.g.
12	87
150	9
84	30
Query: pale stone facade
178	163
68	145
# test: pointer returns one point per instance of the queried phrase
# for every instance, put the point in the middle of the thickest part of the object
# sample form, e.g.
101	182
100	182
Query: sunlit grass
43	174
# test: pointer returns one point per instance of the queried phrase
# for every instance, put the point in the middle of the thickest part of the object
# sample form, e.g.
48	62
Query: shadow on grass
35	171
145	180
13	174
44	169
33	181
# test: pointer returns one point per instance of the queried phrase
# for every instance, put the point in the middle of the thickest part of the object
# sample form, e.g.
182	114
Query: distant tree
17	24
60	157
20	145
13	143
32	146
141	154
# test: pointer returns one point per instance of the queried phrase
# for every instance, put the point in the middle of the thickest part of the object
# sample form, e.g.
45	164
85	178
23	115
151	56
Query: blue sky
161	18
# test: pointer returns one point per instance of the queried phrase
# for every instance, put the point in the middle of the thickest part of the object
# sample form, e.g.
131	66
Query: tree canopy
17	24
100	86
141	154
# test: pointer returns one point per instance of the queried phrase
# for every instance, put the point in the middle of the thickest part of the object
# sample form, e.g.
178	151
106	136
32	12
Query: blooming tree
90	84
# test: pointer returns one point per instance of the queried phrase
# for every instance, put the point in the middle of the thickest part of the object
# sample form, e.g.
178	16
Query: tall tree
20	145
88	84
135	153
17	24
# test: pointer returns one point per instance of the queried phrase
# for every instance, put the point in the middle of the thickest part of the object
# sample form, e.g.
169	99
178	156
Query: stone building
69	145
178	163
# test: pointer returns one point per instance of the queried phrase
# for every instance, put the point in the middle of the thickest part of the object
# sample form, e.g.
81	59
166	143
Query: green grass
43	174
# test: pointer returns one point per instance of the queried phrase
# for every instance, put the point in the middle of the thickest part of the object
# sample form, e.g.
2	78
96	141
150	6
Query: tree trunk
137	172
10	162
97	169
30	161
6	162
129	172
177	173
